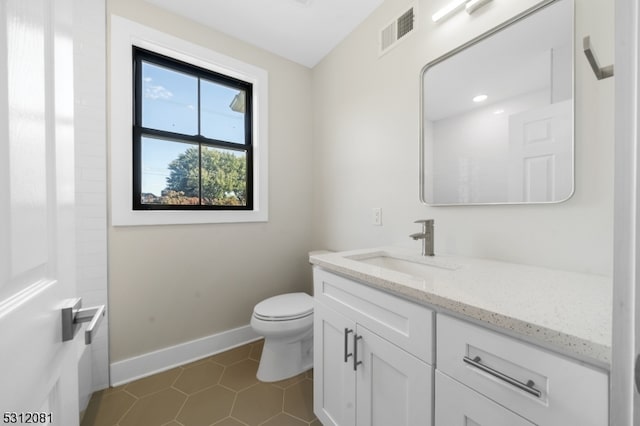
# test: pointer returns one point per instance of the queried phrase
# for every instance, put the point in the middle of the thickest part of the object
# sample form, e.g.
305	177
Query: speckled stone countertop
564	311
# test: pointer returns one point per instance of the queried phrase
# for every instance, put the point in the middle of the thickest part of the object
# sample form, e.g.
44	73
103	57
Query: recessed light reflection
498	111
480	98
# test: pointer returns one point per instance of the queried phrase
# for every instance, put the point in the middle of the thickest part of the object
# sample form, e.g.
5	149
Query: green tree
184	177
223	177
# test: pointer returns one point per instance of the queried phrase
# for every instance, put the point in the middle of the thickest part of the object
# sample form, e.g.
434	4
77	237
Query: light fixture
498	111
480	98
455	5
473	5
238	104
449	9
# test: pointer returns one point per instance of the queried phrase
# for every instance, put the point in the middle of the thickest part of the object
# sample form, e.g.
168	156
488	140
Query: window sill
156	217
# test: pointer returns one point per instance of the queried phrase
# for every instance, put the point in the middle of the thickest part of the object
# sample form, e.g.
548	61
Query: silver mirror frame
467	45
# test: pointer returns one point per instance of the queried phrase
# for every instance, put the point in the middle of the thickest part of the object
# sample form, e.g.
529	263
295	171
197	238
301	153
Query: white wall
177	283
366	148
91	183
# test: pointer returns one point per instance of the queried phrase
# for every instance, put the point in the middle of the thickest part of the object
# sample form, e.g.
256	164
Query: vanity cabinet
364	373
496	376
382	359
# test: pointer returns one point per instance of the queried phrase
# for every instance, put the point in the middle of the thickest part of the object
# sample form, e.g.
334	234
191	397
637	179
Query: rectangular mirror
497	114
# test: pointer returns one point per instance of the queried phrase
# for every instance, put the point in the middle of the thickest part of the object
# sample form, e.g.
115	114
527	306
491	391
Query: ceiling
303	31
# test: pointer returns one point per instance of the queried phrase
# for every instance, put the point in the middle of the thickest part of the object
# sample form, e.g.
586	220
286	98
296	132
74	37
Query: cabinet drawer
458	405
543	387
405	324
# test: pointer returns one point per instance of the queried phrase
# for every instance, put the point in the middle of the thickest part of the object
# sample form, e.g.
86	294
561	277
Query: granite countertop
564	311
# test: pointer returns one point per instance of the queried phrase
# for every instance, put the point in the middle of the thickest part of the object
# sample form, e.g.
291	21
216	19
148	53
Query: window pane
222	112
170	172
169	100
224	177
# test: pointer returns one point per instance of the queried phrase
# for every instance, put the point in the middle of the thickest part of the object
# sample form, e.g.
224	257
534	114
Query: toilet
286	322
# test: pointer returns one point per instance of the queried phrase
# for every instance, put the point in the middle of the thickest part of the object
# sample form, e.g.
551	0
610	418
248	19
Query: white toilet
286	322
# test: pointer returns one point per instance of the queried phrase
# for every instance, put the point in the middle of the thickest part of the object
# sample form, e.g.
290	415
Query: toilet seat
284	307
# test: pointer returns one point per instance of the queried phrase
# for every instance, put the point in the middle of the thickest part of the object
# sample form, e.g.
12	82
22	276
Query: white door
541	154
392	386
334	380
38	372
625	399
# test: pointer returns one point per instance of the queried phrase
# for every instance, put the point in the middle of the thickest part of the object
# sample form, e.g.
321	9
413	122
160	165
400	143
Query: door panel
393	387
541	153
334	383
37	249
625	397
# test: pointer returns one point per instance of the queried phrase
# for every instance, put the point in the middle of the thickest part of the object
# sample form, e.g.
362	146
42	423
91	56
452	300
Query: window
192	137
125	35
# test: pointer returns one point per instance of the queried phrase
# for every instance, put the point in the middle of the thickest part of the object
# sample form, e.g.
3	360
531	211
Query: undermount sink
412	265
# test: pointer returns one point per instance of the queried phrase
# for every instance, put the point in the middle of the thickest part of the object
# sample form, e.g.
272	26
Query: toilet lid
284	307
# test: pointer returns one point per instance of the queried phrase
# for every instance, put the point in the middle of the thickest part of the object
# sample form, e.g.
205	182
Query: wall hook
600	72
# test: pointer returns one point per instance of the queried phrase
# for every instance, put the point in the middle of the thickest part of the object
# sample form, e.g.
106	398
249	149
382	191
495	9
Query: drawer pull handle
527	387
346	344
356	363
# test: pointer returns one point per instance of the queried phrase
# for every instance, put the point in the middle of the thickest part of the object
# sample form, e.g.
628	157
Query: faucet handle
426	236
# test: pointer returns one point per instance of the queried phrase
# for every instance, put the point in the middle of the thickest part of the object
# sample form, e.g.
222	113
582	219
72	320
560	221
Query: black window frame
139	55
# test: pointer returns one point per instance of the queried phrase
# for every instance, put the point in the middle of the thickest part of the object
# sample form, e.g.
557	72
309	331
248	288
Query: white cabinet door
370	356
392	386
334	383
458	405
37	251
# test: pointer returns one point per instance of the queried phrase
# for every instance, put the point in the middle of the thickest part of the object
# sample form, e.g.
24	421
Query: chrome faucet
426	236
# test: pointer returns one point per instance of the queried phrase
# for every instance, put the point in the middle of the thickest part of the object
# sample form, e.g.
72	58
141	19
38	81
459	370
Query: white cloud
156	92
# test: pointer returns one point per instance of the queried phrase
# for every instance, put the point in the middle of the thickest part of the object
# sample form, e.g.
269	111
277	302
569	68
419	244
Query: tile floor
221	390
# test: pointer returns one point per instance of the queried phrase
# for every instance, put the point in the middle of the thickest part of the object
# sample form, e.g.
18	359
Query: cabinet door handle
356	363
527	387
346	344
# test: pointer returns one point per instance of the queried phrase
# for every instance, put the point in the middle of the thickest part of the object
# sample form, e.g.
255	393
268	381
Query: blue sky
170	101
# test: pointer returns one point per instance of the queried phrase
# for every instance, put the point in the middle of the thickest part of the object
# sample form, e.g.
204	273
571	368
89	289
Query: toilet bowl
286	322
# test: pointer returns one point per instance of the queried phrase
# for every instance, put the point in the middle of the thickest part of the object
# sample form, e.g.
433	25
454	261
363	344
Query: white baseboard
165	359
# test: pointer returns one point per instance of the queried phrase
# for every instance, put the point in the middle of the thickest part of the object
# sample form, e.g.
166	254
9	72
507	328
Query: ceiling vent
397	30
